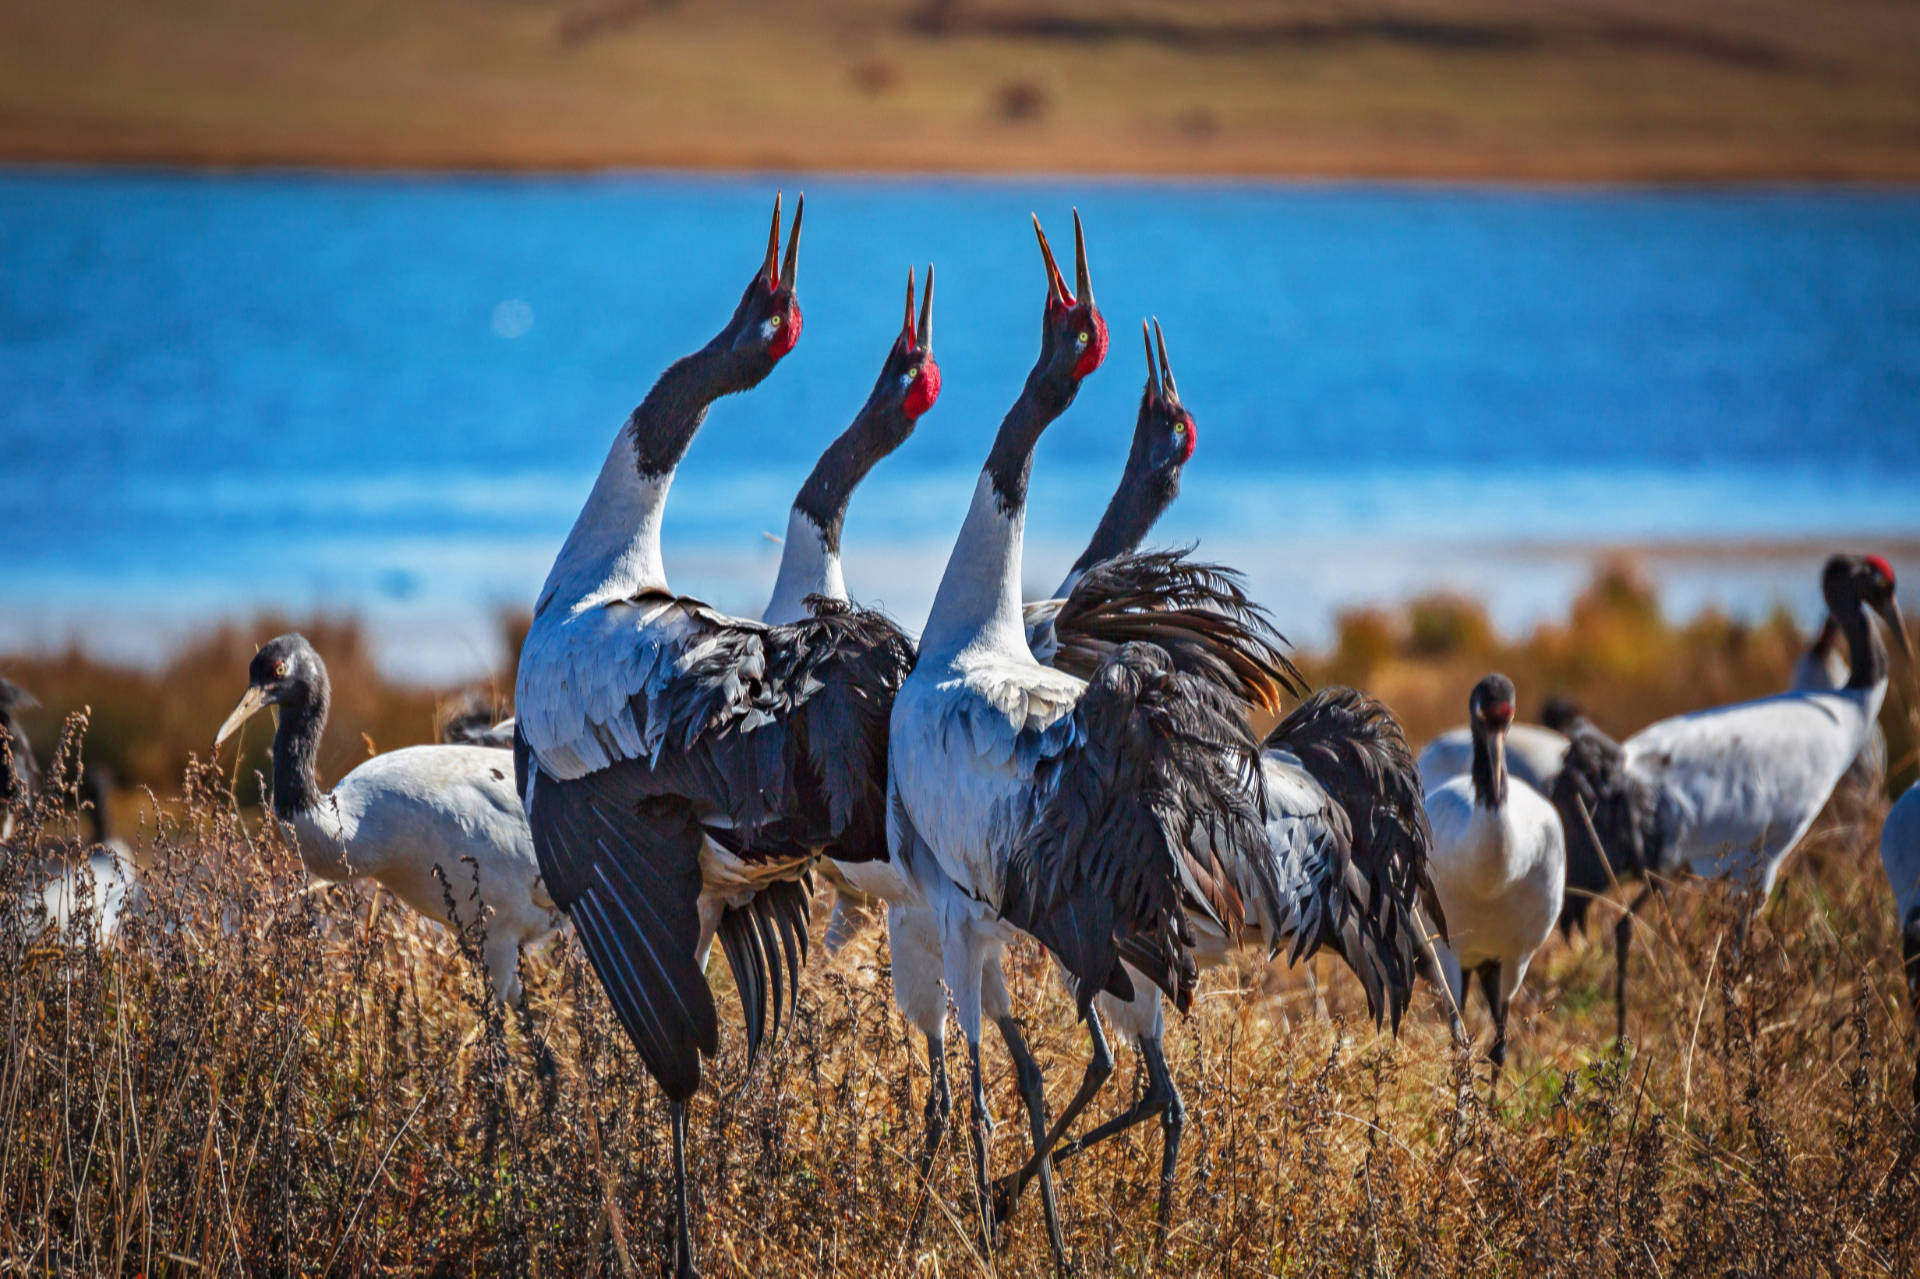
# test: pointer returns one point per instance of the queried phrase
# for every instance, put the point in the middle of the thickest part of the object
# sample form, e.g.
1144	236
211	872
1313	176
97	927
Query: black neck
823	499
1866	655
1489	766
296	744
667	420
1137	505
1044	398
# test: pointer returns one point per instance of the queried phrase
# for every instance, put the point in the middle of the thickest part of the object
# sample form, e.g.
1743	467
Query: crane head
1491	703
911	378
286	669
1165	435
1073	335
766	324
1868	580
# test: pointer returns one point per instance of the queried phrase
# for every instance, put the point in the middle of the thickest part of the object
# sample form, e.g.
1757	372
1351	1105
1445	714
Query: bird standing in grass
1727	793
1499	865
682	769
440	826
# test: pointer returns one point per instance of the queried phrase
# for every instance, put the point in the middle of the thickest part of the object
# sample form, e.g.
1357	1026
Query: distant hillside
1603	89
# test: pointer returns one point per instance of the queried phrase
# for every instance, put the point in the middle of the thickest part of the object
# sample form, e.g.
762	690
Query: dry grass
270	1078
1587	89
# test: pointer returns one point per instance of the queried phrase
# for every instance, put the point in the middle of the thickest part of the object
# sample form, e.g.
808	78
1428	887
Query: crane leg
1622	941
939	1112
1033	1091
981	1128
683	1267
1496	1004
1099	1069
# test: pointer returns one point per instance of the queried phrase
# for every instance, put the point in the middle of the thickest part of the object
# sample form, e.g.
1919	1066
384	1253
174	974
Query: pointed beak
906	326
250	705
1056	286
1153	380
1083	282
1166	367
790	268
1890	614
770	269
926	310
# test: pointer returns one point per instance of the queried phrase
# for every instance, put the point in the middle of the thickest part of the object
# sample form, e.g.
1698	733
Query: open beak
1890	614
773	270
1153	380
1056	285
251	703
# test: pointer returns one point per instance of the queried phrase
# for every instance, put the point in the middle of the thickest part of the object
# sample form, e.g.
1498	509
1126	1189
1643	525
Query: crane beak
790	268
770	269
1056	284
1083	280
1890	614
926	311
251	703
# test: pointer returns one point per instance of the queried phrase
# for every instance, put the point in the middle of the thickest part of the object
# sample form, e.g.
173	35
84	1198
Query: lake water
390	394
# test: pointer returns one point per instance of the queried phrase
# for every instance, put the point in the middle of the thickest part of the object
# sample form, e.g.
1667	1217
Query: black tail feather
766	945
1354	747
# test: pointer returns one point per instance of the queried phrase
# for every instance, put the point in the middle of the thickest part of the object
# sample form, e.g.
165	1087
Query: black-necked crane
1823	668
655	734
1900	858
1096	816
1350	842
1728	792
439	826
19	771
1164	438
1345	824
1499	865
1534	751
810	573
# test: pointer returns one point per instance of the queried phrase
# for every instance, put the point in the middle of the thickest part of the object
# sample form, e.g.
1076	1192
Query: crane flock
1111	773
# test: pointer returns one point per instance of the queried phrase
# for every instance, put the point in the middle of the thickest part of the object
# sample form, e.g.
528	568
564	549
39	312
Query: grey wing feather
1373	890
1145	817
1198	613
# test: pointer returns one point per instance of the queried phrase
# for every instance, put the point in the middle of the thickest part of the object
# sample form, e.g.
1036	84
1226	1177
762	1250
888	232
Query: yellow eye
1084	338
774	322
1179	428
280	670
912	374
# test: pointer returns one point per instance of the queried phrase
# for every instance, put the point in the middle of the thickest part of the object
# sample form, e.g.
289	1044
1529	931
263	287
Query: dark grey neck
1136	507
823	499
296	744
1010	462
667	420
1489	767
1866	655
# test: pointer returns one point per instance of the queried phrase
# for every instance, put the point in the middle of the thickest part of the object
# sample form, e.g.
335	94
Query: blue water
390	394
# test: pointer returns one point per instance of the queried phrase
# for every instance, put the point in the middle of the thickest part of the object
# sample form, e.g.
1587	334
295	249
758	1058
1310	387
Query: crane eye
909	375
1179	428
773	322
280	669
1083	339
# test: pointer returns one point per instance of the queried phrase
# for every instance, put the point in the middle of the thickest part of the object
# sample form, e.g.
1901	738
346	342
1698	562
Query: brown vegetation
1531	89
269	1078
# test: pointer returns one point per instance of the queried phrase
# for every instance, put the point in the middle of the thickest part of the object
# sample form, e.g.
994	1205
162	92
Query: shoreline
1625	173
1310	585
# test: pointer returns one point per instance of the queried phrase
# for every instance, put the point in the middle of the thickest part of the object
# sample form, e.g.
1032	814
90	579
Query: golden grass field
274	1078
1522	89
